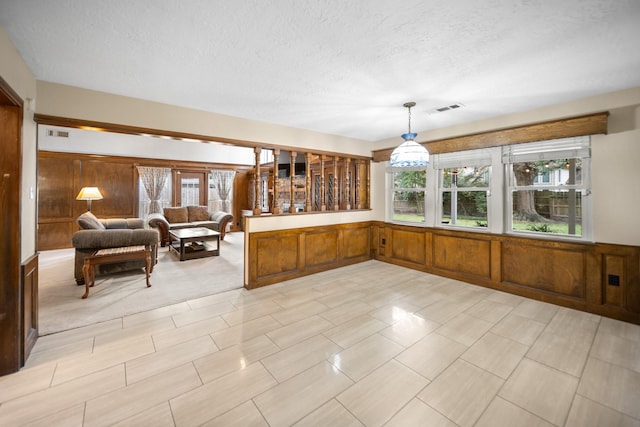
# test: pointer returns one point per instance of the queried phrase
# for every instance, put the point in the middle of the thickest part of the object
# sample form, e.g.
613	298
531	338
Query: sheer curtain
222	182
154	181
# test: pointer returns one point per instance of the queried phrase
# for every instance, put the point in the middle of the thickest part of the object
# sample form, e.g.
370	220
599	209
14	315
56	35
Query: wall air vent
447	108
58	133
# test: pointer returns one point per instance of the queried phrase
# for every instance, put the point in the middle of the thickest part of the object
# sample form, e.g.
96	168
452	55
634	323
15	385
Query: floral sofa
97	234
188	217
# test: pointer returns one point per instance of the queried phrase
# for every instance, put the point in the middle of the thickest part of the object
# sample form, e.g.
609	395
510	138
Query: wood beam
592	124
43	119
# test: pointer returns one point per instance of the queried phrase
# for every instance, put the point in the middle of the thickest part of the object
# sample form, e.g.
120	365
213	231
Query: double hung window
408	196
538	188
464	187
548	185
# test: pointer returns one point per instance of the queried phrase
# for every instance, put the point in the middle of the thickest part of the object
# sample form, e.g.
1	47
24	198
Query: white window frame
576	147
390	186
459	160
500	196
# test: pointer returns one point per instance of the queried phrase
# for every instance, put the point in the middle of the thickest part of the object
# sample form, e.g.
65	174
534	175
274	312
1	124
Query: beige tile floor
370	344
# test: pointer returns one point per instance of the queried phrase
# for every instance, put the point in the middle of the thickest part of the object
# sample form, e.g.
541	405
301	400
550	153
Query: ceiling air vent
448	107
58	133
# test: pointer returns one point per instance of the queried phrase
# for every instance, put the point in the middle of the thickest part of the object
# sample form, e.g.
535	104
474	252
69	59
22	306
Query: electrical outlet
613	280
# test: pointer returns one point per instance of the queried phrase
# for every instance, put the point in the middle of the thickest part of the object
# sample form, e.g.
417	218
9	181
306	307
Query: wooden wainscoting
551	267
275	256
594	277
468	255
29	303
615	278
62	175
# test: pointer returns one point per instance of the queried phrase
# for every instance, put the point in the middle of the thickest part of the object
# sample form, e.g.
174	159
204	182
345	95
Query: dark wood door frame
12	349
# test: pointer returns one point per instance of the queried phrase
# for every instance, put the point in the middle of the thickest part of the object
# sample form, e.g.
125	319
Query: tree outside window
548	182
409	196
464	193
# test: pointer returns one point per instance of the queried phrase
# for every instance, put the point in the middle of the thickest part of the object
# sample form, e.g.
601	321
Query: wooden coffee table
191	243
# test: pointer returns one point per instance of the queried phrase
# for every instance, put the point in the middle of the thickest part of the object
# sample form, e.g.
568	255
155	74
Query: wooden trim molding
592	124
594	277
8	96
43	119
11	120
146	161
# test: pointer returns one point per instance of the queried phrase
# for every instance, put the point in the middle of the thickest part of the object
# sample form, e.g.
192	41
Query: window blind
565	148
457	159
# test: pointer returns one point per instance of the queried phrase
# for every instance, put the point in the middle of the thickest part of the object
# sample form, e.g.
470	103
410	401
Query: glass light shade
410	154
89	193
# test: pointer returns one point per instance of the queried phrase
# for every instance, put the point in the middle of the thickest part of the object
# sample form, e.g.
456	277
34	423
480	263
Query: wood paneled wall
275	256
62	175
598	278
60	178
593	277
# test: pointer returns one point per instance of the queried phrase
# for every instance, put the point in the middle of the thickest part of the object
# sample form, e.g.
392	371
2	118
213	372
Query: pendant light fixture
410	155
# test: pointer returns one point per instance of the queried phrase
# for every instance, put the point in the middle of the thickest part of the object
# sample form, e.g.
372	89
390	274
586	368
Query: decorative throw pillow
198	213
176	215
88	221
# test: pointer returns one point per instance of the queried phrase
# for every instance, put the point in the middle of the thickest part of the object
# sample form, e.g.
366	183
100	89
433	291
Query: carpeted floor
61	306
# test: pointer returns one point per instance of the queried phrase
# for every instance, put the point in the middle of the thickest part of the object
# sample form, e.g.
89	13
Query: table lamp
89	194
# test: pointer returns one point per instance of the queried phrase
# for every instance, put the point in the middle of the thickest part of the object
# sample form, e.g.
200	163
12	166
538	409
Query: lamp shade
409	155
89	193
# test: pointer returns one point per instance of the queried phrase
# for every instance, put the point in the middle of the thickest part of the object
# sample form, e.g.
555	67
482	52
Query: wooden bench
113	255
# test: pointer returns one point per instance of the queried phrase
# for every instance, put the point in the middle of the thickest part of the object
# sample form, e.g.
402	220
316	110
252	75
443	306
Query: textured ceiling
344	66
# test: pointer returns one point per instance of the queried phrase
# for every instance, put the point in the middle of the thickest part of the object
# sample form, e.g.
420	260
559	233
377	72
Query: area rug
61	306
